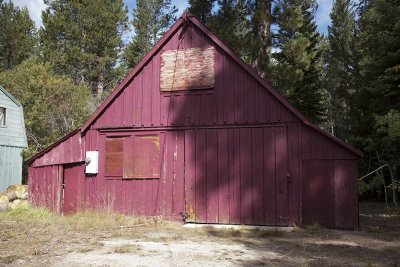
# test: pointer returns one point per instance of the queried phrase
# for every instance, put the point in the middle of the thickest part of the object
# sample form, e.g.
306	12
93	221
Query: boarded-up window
114	156
142	157
191	68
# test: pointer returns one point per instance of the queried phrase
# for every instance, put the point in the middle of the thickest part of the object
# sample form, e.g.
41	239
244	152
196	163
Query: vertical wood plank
257	174
269	177
224	172
201	177
246	199
281	175
190	176
212	175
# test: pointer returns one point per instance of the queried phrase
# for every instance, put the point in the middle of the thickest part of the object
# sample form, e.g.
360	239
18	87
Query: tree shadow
235	144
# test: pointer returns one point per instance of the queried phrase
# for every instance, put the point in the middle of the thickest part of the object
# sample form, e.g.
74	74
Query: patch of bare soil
91	239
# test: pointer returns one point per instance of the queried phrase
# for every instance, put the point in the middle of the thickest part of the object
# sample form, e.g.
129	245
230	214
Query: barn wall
329	182
145	197
318	146
70	150
236	99
45	186
239	176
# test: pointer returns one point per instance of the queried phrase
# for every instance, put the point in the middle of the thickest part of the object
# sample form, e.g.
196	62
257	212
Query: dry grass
226	233
315	227
127	248
269	233
32	237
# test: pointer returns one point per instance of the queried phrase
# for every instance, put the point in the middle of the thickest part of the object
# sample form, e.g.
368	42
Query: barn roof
47	149
10	96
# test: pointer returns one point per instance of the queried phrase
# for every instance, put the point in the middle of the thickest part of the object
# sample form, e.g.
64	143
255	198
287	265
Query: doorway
73	182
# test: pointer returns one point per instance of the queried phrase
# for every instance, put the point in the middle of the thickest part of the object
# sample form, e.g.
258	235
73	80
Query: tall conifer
83	39
17	35
341	67
298	67
151	19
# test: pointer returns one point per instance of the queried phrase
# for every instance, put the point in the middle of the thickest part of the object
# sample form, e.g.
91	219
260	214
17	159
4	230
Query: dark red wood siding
73	182
236	153
45	186
236	98
329	193
237	175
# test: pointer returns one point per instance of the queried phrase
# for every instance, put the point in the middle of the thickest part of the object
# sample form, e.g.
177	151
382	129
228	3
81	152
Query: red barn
194	130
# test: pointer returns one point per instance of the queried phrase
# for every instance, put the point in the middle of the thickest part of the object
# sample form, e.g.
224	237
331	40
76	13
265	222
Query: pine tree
298	68
201	9
83	39
260	36
231	24
17	35
341	67
151	19
377	89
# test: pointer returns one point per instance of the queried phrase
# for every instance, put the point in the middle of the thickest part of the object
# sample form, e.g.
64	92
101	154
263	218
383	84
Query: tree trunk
262	35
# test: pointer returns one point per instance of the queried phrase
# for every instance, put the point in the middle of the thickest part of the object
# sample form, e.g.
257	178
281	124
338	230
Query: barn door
73	179
281	176
237	176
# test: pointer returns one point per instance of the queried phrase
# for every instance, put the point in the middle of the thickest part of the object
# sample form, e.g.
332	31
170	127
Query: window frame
185	88
4	118
126	135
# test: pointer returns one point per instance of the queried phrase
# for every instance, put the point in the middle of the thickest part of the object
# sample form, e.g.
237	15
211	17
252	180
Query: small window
134	157
142	157
114	156
185	69
2	116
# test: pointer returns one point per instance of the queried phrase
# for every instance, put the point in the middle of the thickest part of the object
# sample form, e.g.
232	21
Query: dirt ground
35	237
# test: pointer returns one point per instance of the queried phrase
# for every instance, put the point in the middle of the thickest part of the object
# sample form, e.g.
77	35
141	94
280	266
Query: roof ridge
10	96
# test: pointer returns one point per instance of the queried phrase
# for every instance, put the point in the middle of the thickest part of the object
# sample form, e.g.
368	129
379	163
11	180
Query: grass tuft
315	227
270	233
28	212
223	232
126	249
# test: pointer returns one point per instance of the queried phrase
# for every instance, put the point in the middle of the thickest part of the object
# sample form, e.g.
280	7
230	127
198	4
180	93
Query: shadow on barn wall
236	155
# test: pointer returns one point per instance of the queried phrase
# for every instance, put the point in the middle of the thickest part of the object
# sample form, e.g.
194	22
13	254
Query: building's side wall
69	151
13	134
12	141
10	166
45	173
45	186
329	182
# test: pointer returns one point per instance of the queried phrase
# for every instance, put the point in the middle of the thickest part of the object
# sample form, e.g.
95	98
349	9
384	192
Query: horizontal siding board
13	134
10	166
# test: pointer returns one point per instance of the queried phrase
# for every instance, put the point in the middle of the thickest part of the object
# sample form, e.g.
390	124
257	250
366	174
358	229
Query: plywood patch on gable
191	68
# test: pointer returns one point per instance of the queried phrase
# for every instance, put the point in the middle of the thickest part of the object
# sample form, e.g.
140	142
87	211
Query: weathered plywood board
191	68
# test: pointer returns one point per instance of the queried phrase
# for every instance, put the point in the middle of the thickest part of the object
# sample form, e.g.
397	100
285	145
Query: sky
35	8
